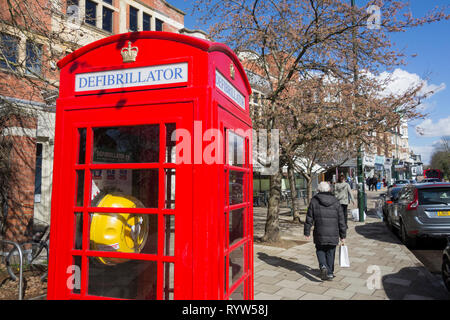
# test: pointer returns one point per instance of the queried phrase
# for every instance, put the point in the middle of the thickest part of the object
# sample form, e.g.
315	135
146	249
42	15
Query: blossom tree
296	40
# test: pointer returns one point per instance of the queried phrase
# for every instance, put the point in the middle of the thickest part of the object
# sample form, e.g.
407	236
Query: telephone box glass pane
169	235
134	144
238	294
81	145
125	188
170	189
225	275
123	232
80	188
168	281
236	187
236	267
78	239
236	226
235	150
170	143
127	279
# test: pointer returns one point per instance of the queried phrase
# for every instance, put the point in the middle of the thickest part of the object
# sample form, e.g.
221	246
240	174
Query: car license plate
443	213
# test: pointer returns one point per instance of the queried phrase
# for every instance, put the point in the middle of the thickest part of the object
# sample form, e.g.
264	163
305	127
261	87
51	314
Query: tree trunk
272	229
291	175
309	190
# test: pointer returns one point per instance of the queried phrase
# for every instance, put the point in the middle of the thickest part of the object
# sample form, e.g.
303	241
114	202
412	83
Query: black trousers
326	255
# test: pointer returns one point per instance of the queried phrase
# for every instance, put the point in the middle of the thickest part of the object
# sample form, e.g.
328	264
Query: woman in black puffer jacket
327	216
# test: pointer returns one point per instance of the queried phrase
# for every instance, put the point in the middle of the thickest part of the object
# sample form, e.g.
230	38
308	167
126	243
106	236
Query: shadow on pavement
377	231
305	271
411	283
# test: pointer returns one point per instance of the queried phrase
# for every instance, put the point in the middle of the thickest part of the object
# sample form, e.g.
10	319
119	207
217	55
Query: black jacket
327	216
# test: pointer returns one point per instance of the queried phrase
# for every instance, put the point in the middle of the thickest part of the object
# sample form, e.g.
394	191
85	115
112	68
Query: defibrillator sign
132	77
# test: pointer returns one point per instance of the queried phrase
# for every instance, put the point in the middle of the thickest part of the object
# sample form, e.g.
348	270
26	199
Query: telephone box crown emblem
232	71
129	53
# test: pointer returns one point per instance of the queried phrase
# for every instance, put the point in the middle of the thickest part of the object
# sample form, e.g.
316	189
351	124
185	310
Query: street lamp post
360	167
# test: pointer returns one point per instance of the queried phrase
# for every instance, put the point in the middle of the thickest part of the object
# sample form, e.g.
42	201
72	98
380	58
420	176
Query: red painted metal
206	265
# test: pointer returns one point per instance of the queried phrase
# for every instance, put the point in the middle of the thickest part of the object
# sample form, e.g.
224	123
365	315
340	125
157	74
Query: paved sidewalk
381	267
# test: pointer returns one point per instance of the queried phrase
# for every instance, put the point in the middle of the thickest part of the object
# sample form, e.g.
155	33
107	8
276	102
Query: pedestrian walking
343	193
326	214
371	184
374	183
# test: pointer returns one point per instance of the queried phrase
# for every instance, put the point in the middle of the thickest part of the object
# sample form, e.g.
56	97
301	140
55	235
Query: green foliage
441	160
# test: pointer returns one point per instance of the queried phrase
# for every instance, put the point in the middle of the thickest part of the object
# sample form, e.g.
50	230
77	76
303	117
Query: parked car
430	180
446	265
389	198
421	210
400	183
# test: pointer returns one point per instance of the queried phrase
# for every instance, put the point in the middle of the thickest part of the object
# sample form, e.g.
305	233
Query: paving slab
337	293
290	294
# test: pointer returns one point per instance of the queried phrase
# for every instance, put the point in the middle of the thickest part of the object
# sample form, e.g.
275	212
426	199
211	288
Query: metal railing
19	249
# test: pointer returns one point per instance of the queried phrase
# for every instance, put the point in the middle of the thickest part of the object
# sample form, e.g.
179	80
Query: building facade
29	86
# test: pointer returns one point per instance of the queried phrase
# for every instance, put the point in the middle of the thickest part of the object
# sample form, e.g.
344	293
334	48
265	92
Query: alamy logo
74	279
374	280
73	14
374	20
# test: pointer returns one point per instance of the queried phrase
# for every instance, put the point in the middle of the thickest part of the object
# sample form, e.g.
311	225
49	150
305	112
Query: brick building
33	37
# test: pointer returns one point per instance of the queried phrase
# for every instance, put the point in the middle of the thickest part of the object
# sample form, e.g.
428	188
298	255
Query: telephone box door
238	217
125	222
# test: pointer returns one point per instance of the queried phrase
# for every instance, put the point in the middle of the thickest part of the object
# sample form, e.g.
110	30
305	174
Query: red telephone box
152	180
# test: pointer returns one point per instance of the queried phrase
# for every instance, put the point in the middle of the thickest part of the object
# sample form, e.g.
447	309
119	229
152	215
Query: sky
431	46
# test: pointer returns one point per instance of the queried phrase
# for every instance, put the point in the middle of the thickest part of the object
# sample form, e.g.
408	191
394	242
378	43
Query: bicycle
35	256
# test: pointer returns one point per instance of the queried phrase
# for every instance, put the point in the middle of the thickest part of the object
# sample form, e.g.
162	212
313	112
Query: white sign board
229	90
132	77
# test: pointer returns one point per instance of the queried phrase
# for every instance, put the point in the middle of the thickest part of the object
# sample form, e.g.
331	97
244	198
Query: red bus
433	173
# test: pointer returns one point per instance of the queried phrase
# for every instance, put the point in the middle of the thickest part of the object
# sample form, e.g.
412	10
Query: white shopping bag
344	261
355	215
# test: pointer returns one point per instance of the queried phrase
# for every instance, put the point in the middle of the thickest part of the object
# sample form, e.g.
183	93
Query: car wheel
389	224
446	273
407	240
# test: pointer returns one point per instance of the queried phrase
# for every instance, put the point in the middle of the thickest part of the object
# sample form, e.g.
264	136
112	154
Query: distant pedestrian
371	183
374	183
343	193
326	214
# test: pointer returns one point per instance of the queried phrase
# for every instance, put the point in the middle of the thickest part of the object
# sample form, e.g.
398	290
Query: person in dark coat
375	182
326	214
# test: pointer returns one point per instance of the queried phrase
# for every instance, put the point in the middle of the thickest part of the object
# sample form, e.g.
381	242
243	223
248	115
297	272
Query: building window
146	22
8	51
91	12
133	19
108	1
107	22
33	58
158	25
